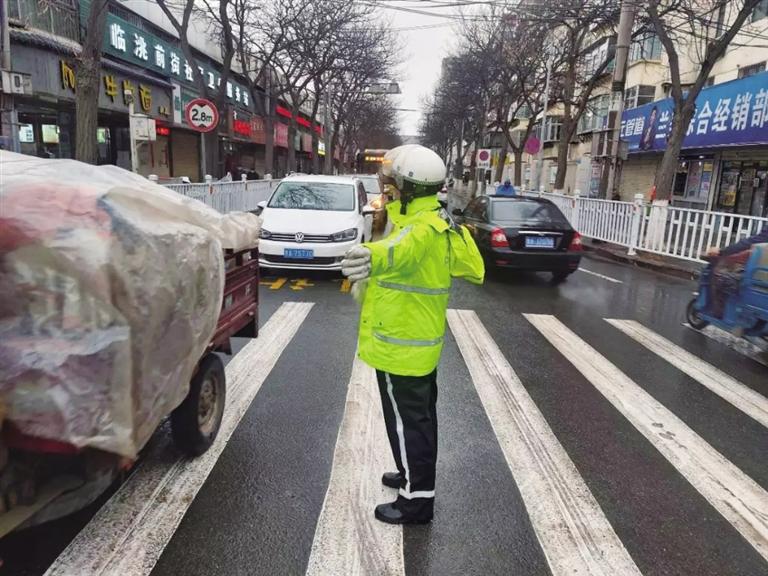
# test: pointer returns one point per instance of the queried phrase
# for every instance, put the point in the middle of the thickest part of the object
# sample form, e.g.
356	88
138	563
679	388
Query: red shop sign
242	127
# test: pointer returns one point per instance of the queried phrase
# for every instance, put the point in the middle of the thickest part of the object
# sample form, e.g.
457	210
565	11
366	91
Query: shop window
638	96
50	133
104	145
27	139
760	11
746	71
646	47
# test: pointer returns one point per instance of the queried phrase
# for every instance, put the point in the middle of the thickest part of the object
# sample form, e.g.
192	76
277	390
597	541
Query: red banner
281	135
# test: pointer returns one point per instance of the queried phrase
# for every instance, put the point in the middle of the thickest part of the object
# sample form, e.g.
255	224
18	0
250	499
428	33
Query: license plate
296	254
539	242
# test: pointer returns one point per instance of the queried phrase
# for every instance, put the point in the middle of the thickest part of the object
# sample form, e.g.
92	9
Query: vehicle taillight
499	239
576	245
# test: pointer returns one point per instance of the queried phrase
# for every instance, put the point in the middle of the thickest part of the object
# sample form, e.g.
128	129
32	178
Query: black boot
393	513
392	479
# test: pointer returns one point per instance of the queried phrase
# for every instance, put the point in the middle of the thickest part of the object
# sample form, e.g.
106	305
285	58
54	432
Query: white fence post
637	215
575	209
541	191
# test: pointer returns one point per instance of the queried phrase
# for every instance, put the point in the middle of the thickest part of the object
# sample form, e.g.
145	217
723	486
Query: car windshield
522	212
371	184
314	196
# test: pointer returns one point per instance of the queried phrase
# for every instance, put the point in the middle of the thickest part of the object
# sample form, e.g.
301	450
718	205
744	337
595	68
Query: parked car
523	234
309	222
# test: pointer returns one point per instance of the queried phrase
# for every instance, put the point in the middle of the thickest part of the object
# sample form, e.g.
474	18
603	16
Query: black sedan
523	234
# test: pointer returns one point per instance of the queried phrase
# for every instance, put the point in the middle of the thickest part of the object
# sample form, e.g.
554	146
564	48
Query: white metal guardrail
667	230
226	197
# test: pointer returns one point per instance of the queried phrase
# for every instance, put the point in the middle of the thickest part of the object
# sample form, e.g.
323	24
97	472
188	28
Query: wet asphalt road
257	511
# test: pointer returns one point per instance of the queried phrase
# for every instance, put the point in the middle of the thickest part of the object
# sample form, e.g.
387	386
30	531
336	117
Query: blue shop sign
730	114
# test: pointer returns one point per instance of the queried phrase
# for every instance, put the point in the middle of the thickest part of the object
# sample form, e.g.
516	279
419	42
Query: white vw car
310	222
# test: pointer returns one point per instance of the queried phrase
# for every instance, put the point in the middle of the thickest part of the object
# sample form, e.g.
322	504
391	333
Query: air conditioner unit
15	83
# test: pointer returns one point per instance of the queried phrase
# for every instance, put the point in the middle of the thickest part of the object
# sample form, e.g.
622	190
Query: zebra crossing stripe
742	397
748	348
735	495
570	525
131	530
348	539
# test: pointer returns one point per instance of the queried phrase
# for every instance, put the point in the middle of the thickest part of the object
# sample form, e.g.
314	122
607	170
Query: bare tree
368	54
700	30
263	31
88	75
180	15
576	27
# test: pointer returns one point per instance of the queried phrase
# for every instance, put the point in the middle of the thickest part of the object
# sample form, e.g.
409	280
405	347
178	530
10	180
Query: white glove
357	263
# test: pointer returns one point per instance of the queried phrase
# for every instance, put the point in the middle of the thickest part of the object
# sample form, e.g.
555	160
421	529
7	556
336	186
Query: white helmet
390	157
419	169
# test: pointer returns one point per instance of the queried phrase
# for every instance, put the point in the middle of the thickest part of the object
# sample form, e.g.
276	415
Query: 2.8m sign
202	115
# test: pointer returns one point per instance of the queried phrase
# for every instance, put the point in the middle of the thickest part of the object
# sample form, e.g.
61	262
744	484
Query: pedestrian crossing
566	510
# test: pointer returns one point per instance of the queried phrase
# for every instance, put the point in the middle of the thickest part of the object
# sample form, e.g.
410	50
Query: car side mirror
458	212
260	207
368	210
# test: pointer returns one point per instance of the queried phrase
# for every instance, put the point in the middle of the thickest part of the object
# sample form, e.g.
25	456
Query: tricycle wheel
694	316
195	423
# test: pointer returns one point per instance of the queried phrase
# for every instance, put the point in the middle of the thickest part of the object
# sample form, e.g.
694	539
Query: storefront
724	162
743	185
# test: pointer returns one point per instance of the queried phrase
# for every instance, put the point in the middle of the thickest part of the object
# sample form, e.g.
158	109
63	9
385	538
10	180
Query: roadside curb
664	267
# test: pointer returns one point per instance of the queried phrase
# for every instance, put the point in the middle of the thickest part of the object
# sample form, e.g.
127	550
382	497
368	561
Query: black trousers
410	414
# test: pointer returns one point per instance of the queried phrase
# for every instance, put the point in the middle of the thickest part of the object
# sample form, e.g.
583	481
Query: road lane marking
300	284
128	534
735	495
728	388
603	276
275	284
348	539
744	347
570	525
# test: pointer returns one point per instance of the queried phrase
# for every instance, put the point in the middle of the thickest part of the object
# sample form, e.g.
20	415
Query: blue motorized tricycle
742	310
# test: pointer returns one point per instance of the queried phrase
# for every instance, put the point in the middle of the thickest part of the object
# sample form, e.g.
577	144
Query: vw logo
299	237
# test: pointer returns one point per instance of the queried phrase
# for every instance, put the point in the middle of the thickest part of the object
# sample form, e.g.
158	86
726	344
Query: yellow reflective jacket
402	322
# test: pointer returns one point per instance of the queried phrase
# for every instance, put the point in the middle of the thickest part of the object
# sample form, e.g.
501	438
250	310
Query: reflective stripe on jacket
402	322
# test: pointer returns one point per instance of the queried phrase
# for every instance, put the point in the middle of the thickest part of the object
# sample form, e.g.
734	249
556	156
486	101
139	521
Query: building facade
142	63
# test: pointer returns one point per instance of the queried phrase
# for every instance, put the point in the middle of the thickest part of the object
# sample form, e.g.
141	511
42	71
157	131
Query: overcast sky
426	40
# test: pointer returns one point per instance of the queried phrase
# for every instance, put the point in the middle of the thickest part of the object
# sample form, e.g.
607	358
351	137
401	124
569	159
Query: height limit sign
202	115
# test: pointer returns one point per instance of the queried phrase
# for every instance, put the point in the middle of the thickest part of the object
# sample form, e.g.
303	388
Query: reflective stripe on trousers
409	405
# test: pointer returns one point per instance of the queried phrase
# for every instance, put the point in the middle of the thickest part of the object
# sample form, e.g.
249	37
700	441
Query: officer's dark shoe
391	514
392	479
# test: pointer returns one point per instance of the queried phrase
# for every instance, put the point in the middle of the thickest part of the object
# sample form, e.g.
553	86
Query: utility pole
623	41
540	153
480	172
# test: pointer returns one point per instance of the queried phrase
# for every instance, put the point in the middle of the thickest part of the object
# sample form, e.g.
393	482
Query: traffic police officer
407	277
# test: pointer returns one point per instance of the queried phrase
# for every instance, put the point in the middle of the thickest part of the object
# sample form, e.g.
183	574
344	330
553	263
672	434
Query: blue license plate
296	254
539	242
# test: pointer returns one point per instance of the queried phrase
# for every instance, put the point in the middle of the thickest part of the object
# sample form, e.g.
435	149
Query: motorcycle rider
402	321
726	276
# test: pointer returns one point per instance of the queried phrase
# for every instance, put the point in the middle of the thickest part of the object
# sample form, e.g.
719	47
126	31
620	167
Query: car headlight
265	234
345	236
